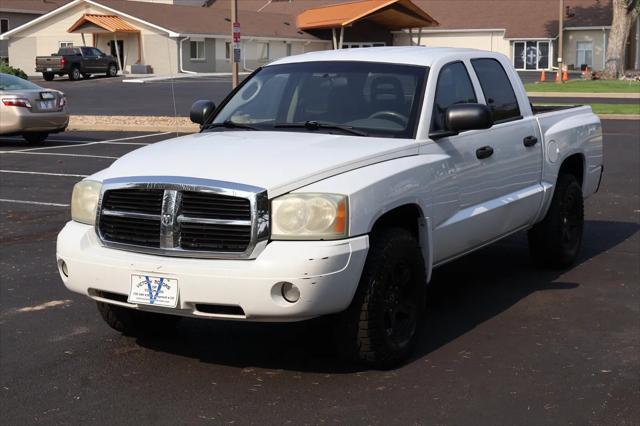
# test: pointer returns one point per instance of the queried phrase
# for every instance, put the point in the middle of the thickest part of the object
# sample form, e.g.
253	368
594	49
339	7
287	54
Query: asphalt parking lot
504	342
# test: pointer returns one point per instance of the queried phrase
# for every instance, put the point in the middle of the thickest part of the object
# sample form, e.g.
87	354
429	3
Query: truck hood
277	161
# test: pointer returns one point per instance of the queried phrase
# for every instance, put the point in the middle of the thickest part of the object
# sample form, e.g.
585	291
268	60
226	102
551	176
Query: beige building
192	36
167	38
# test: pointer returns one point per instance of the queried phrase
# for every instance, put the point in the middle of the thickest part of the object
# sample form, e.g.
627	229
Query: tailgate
44	62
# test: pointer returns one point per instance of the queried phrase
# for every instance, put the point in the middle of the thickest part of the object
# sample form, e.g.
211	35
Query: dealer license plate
49	69
156	291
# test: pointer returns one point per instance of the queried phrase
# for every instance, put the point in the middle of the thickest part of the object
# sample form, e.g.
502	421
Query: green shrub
8	69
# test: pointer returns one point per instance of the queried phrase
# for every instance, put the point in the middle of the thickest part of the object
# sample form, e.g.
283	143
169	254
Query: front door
119	52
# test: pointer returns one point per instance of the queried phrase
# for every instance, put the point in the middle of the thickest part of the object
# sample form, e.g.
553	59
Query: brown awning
90	23
391	14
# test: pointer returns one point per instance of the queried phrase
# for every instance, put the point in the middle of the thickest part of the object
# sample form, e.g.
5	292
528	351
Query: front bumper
326	272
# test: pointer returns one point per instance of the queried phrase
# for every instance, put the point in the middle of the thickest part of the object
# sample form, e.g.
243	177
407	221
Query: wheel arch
574	164
409	216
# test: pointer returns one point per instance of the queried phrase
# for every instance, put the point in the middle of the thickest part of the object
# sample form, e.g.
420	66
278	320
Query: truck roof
410	55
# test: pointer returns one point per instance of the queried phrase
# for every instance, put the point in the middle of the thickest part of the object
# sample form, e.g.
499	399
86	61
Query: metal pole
341	37
560	34
234	64
335	40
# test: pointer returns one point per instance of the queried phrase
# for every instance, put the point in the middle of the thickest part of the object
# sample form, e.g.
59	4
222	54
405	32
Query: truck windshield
356	98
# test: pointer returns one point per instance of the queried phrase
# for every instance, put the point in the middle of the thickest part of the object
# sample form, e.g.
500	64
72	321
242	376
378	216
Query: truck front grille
182	220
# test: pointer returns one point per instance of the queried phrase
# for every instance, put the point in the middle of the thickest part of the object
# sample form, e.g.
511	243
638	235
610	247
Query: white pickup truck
332	183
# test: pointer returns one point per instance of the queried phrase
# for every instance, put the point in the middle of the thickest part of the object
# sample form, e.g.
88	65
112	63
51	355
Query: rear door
90	62
516	168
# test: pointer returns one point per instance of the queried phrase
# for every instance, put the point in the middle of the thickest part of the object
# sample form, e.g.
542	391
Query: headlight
309	216
84	201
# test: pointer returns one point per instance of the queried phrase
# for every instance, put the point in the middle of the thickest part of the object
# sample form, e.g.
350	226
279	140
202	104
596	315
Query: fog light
63	267
290	292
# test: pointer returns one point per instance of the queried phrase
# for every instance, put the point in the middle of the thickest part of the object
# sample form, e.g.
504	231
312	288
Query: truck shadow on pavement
462	295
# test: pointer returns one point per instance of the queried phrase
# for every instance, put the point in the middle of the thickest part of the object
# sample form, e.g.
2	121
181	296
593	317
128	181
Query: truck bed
541	109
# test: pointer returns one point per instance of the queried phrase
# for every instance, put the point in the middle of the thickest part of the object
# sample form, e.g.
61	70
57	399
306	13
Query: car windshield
358	98
10	82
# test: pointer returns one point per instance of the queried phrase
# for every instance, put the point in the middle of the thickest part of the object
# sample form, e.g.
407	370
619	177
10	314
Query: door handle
484	152
530	141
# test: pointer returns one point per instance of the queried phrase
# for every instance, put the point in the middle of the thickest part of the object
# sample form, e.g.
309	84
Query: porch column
115	40
341	37
335	41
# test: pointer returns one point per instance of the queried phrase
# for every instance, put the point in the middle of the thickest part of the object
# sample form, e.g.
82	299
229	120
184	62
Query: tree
625	13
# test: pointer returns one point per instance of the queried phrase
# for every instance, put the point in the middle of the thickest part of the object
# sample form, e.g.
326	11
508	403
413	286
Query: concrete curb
619	116
117	123
583	95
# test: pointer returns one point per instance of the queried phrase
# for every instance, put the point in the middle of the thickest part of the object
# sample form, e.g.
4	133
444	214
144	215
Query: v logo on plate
153	296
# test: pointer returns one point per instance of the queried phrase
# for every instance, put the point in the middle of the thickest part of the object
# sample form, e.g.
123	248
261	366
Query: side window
497	89
86	51
454	87
96	52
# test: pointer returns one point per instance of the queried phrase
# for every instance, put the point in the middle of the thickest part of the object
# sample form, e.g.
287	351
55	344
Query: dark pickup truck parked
76	62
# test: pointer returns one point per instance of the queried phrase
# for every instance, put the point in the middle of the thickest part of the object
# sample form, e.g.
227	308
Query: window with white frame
196	48
4	25
263	51
355	45
227	50
531	55
65	44
584	53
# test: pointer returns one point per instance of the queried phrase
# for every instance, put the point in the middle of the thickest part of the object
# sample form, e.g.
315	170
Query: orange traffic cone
543	76
565	75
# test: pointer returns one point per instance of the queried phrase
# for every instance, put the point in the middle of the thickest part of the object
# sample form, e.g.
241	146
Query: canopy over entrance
104	24
389	14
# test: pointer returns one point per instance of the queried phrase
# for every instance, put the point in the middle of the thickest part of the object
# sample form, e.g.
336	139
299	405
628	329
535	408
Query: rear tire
132	322
74	74
555	242
48	76
112	71
381	326
35	137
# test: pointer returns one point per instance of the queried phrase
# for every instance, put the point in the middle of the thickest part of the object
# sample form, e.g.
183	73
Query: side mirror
201	111
462	117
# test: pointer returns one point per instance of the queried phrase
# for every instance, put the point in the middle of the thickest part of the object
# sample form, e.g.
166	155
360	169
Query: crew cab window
454	87
378	99
87	51
497	89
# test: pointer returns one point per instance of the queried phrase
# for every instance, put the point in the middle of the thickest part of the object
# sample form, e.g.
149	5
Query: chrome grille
182	217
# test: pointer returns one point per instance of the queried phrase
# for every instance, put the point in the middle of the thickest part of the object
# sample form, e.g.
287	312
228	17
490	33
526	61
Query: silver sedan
29	110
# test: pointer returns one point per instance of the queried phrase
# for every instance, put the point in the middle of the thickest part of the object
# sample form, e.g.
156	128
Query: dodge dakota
332	184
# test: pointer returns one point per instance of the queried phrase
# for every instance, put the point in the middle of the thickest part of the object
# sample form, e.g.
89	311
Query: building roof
519	18
37	7
209	21
392	14
109	23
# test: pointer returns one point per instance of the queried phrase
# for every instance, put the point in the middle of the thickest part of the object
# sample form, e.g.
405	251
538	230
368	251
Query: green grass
586	86
626	109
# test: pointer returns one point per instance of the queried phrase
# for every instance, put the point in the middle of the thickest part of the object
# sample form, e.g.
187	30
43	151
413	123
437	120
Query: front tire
132	322
555	242
381	325
35	137
48	76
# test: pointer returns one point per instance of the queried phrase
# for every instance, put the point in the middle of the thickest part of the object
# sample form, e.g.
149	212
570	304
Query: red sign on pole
236	32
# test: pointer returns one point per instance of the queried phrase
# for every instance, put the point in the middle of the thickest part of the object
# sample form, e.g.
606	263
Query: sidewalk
583	95
150	78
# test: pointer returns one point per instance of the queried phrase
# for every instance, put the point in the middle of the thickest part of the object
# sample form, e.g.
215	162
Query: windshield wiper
228	124
315	125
